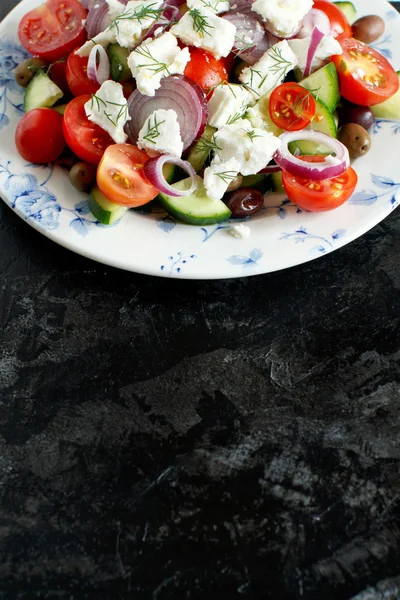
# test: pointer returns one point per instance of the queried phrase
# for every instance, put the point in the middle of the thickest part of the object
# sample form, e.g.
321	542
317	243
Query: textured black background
186	440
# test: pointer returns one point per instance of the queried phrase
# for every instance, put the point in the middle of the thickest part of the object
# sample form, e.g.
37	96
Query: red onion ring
98	67
316	38
317	171
97	19
153	169
249	27
179	93
314	18
170	15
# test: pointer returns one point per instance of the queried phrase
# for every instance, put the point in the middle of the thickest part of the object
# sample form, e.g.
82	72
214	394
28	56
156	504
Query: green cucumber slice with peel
390	109
196	209
348	9
41	92
103	209
324	85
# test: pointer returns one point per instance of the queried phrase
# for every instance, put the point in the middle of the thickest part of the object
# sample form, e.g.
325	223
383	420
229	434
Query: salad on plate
203	107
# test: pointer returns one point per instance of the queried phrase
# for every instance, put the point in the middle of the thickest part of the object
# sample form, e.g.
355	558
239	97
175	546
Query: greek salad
203	106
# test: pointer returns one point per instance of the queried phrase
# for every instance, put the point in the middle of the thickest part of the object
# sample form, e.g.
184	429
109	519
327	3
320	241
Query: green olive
355	138
368	28
82	176
27	70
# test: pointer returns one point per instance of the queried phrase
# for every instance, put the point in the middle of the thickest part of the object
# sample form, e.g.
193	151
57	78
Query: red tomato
291	107
77	78
205	69
365	76
57	73
39	135
325	194
339	24
86	139
53	29
120	176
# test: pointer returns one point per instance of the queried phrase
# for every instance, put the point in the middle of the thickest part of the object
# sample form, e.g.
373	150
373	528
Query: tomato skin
86	139
340	27
205	69
53	29
77	78
353	86
291	107
121	178
58	74
30	140
322	195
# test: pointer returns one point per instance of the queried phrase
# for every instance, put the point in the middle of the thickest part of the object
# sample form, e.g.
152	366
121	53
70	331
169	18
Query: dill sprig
156	66
153	131
227	176
200	22
281	66
138	14
242	48
205	147
252	135
103	104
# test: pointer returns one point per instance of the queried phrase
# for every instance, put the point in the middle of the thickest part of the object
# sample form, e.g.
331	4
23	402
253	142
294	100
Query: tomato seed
121	179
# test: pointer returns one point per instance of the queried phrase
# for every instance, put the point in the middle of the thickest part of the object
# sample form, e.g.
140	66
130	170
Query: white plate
281	236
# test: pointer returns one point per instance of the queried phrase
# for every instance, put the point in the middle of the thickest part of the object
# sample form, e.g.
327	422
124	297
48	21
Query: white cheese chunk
282	17
200	27
228	103
252	147
157	58
325	49
215	6
218	176
108	108
270	70
161	133
127	27
239	231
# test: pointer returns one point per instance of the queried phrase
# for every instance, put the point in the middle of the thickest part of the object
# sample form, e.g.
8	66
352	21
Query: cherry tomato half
365	76
53	29
77	78
205	69
291	107
120	176
322	195
339	24
86	139
39	135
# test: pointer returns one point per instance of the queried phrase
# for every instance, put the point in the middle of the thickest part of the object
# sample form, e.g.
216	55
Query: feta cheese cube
108	108
228	103
216	6
327	47
218	176
252	147
200	27
282	17
157	58
270	70
105	38
239	231
161	133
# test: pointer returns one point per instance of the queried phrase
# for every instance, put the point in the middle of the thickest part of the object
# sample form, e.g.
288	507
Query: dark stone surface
186	440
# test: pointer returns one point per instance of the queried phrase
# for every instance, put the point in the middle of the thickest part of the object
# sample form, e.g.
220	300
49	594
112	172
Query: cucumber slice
198	154
390	109
276	181
60	108
324	84
41	92
105	211
323	121
348	9
196	209
119	69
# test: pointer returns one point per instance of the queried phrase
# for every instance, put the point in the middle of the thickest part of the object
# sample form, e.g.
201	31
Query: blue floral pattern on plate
11	54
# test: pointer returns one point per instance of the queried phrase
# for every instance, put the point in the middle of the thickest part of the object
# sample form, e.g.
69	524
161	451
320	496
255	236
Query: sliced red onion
98	67
251	39
332	166
88	4
179	93
316	38
314	18
153	169
98	19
